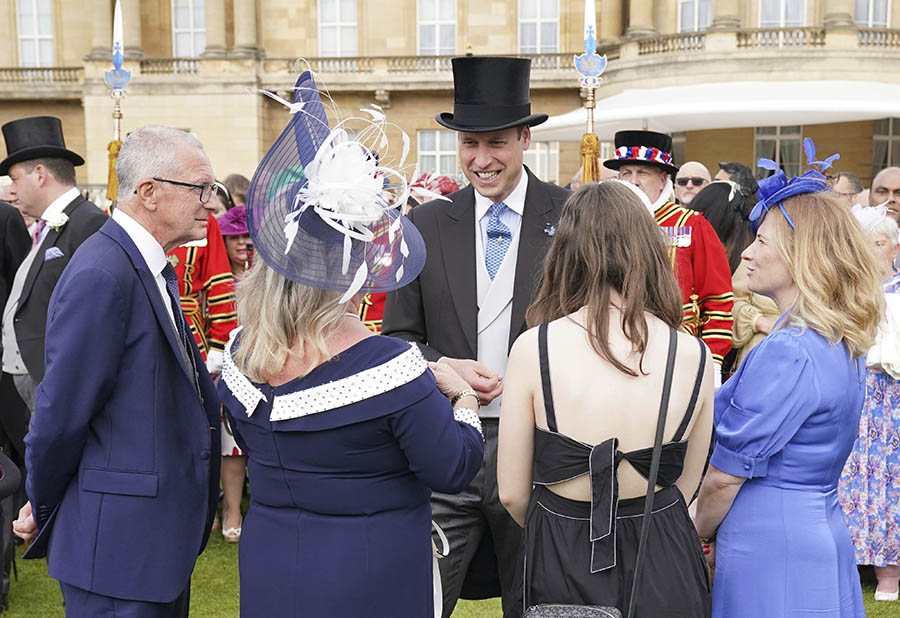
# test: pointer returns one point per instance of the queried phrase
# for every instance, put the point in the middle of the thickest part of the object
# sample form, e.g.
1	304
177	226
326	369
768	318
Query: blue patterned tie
498	239
171	278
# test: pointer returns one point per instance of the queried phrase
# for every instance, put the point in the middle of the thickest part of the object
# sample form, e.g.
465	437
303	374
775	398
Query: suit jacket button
204	455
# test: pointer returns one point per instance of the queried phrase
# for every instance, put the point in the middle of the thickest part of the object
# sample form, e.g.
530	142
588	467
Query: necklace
352	314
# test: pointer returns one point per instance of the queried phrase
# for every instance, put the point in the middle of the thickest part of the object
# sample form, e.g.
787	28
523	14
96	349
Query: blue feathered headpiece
777	187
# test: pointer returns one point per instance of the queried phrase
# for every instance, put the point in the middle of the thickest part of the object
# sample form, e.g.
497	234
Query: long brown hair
607	240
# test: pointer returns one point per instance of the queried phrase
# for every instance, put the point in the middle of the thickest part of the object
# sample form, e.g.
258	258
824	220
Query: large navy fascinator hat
777	187
323	208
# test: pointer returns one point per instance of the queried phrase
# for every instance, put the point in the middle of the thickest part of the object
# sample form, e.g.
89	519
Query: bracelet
465	393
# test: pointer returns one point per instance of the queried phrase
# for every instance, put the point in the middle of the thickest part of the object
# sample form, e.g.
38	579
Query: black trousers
466	518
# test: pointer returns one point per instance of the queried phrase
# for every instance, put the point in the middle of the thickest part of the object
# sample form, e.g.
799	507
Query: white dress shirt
55	209
151	251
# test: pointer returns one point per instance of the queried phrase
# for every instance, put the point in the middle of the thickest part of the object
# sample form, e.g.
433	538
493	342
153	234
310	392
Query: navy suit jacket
122	453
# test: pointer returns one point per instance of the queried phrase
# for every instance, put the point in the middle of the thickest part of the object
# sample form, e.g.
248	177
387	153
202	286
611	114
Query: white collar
391	374
147	245
59	204
667	195
515	201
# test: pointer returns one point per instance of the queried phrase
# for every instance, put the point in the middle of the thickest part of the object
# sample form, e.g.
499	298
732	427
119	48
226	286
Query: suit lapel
533	241
457	233
50	240
118	234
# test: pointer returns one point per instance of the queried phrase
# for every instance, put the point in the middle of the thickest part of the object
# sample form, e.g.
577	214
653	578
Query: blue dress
786	421
342	462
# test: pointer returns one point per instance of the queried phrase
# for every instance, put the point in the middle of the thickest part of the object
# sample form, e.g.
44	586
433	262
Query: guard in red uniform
644	158
207	292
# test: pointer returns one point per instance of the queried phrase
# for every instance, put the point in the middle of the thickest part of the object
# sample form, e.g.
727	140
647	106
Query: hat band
489	114
643	153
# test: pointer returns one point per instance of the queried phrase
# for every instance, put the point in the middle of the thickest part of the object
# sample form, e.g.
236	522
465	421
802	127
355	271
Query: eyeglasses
206	191
695	180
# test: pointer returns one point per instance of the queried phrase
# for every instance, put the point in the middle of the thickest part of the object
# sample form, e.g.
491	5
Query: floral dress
869	488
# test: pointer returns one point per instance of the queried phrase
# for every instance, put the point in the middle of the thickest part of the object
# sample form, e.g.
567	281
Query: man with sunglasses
691	177
122	452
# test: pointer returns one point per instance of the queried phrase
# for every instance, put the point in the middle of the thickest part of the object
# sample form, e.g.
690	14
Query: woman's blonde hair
606	240
831	262
277	313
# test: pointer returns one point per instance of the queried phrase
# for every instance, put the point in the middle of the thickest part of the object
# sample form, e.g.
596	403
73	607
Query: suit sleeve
85	328
218	284
16	244
404	315
712	282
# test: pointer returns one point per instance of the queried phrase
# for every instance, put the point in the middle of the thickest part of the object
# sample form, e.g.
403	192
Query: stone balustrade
681	42
767	38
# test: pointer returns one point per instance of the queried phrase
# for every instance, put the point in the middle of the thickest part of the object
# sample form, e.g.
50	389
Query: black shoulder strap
654	467
545	378
679	433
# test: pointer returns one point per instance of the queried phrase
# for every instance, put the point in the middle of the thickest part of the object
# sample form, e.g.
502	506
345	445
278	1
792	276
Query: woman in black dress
582	393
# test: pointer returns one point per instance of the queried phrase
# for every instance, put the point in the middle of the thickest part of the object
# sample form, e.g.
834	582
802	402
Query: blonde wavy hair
276	314
831	262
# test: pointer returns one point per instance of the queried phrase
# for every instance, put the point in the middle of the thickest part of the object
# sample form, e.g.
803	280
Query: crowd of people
662	393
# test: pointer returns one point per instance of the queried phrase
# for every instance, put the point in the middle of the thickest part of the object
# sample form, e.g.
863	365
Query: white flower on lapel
57	221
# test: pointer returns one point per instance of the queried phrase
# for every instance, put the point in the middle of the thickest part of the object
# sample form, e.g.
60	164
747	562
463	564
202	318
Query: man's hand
25	527
487	384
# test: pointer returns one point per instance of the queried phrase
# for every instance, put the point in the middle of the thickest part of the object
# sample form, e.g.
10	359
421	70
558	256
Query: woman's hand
449	382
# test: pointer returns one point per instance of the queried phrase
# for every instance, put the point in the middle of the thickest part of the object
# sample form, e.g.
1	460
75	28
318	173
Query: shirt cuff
738	464
469	417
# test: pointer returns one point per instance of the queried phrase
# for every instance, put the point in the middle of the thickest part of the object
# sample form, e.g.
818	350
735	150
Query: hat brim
39	152
615	164
446	119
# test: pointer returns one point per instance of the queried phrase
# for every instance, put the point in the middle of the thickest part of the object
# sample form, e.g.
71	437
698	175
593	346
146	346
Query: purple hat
234	221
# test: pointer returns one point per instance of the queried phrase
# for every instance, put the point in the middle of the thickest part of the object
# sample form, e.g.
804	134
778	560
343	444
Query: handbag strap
654	466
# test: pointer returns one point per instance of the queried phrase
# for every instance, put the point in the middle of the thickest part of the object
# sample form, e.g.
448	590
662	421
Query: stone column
838	14
246	44
610	17
101	33
665	16
215	29
640	22
131	29
726	15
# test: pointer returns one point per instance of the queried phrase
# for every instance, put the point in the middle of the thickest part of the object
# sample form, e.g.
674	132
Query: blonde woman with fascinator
346	433
581	405
785	422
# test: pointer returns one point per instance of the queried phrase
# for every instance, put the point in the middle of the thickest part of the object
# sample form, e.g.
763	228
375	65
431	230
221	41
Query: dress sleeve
777	391
444	452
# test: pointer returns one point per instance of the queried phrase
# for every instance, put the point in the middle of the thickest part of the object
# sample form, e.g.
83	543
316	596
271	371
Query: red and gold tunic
207	289
703	274
371	311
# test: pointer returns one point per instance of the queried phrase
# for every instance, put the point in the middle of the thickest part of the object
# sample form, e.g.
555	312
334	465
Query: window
781	13
872	13
542	158
437	27
188	28
538	26
885	144
337	28
694	15
437	152
35	24
782	145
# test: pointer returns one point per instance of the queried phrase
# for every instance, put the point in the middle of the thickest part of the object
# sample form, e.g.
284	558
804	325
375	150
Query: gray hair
886	227
147	152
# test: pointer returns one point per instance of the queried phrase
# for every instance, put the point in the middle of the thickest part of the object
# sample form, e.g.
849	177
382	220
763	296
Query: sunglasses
695	180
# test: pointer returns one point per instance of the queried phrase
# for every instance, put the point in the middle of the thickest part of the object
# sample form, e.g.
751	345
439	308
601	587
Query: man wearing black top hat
485	251
43	183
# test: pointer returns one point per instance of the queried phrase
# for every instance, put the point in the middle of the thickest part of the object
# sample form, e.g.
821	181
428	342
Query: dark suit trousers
465	517
82	603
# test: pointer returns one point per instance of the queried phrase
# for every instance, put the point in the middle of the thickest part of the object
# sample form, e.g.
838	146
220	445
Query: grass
214	590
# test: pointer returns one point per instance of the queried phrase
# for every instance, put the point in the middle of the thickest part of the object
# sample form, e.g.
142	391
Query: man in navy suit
122	453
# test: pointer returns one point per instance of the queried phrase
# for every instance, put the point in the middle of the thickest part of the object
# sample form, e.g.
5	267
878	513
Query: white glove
215	360
717	375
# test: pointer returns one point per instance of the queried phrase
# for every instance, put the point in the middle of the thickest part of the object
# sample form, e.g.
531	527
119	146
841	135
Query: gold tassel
112	183
590	157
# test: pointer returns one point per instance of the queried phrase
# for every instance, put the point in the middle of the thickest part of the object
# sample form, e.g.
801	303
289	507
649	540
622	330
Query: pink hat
234	221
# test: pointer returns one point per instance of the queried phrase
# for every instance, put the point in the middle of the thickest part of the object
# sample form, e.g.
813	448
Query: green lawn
214	591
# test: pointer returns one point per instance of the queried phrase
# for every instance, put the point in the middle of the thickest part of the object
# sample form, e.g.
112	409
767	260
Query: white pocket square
52	253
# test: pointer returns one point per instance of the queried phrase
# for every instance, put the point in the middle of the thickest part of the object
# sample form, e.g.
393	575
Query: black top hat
35	138
490	94
642	148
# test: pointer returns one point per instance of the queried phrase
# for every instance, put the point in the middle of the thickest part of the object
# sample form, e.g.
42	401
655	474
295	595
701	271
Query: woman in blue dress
346	432
786	421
